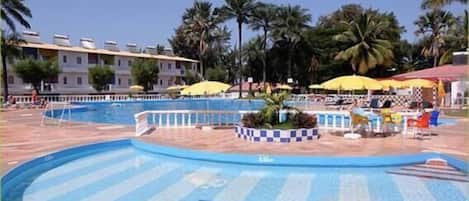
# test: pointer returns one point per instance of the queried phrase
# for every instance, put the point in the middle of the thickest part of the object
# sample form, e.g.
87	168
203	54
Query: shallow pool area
134	170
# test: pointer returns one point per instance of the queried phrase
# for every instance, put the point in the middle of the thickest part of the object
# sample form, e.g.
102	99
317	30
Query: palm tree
437	4
199	22
289	26
263	18
241	10
434	25
10	50
11	11
365	48
15	10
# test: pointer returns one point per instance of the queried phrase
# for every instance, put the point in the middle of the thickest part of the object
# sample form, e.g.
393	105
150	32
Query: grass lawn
457	113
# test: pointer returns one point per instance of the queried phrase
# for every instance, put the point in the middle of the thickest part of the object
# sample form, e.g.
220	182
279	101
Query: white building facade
74	62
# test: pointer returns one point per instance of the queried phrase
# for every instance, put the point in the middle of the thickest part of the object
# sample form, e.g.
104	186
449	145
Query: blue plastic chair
434	118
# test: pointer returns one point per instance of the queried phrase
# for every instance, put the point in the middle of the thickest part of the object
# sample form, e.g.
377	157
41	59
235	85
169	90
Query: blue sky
148	22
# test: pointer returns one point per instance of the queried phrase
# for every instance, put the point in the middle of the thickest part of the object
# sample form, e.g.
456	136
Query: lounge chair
374	103
413	105
337	105
387	104
337	102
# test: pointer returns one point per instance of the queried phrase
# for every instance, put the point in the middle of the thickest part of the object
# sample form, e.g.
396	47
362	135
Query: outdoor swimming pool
133	170
123	112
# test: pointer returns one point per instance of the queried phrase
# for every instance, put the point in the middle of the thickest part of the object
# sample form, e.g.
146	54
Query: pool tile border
276	135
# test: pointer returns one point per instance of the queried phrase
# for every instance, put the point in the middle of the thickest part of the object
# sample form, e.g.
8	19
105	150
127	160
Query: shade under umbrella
352	82
205	88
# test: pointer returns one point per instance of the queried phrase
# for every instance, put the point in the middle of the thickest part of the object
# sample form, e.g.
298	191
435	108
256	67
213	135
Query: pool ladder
52	107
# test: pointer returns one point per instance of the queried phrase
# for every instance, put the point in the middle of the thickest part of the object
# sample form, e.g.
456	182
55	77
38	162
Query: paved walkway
23	138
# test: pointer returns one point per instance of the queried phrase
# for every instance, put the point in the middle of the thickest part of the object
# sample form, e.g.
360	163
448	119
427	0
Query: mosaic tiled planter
276	135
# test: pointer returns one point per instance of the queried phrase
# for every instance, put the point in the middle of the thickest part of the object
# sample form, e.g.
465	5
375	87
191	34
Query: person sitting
11	100
34	99
43	103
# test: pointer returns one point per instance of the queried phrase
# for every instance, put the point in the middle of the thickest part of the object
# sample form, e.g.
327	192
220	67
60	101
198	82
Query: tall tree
263	18
200	21
434	25
365	48
9	51
15	11
11	11
34	71
100	76
289	26
438	4
240	10
144	73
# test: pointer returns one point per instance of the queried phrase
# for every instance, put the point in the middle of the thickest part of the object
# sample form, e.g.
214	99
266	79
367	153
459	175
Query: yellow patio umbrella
284	87
136	88
419	83
387	84
176	87
315	86
441	89
352	82
205	88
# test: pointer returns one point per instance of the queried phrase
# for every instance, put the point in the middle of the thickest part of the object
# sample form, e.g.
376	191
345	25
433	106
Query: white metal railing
185	119
89	98
331	120
336	120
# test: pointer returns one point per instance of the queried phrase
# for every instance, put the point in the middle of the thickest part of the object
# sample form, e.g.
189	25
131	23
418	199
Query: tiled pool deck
22	138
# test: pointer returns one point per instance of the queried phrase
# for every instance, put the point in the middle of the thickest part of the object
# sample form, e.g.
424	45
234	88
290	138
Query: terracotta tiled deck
22	138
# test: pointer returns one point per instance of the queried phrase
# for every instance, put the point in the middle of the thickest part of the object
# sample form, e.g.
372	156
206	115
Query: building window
118	81
119	62
129	82
78	60
92	59
161	66
130	62
65	80
79	81
161	82
169	66
64	59
11	79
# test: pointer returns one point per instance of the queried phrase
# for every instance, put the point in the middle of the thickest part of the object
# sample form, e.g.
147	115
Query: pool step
432	171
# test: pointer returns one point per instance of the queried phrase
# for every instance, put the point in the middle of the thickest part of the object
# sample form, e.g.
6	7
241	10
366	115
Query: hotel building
74	62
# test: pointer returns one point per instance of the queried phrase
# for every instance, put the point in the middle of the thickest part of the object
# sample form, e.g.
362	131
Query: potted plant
278	122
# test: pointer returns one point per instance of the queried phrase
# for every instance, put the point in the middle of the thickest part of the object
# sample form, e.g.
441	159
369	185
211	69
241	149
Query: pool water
123	112
128	173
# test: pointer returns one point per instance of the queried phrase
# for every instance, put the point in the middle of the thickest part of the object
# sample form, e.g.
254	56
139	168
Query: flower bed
277	135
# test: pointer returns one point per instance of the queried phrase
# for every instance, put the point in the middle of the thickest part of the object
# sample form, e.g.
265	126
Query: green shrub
253	120
303	120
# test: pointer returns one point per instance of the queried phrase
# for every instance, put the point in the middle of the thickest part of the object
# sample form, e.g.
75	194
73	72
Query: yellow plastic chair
386	117
358	120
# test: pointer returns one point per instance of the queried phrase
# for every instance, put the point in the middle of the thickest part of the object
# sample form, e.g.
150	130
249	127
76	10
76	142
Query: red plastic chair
420	124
